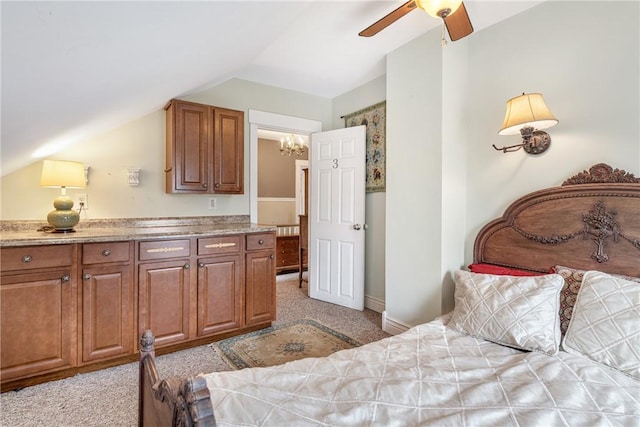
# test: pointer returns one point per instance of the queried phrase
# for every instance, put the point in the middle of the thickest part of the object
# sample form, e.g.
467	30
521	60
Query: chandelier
292	144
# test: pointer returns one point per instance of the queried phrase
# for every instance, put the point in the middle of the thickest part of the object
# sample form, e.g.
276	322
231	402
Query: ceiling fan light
435	7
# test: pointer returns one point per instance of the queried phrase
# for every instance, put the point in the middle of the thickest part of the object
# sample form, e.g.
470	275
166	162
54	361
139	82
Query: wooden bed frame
590	222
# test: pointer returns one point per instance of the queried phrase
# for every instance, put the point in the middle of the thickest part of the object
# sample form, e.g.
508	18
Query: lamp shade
433	7
526	110
62	173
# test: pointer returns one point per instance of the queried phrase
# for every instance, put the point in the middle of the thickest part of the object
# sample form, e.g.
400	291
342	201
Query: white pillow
520	312
605	325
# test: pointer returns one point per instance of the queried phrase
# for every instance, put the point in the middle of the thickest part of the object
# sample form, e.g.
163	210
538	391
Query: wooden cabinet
164	290
69	308
107	312
220	279
260	287
204	149
38	310
287	253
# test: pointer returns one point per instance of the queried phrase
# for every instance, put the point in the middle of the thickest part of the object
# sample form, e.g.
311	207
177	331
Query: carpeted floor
109	397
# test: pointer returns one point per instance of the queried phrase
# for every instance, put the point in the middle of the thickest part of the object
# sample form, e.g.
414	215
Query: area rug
281	344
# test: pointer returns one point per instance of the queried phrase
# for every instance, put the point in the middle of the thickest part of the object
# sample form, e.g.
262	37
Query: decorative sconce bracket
533	142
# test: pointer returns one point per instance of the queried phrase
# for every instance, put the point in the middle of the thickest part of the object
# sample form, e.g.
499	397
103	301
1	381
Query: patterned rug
281	344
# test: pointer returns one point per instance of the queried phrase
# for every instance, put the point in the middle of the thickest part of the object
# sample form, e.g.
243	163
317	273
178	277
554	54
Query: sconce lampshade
435	7
526	110
63	174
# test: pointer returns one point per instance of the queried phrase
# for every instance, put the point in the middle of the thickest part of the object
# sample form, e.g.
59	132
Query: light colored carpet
281	344
110	397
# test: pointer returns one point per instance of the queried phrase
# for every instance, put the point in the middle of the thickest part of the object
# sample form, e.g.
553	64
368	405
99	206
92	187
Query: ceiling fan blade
387	20
458	24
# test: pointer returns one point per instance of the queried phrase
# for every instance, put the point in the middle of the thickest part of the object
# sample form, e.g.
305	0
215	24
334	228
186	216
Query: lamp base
63	218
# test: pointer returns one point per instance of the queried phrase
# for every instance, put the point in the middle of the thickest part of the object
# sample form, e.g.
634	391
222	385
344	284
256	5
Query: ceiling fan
453	13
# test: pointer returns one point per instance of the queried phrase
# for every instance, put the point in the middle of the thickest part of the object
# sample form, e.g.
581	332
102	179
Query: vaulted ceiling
71	70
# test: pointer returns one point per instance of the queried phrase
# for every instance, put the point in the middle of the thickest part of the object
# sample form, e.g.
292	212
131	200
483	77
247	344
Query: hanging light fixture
292	145
439	8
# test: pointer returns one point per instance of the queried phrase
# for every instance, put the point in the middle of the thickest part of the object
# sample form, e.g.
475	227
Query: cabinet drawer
259	241
219	245
32	257
97	253
163	249
289	242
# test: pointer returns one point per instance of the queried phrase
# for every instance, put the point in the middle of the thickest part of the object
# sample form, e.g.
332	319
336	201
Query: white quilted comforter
429	375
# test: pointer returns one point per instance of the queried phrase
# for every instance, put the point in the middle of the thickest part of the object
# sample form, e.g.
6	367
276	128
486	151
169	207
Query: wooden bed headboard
590	222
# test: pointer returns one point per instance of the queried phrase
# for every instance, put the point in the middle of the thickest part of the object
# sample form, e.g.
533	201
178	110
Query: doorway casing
276	122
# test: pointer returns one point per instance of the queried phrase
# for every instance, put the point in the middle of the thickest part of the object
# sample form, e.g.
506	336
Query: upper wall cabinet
205	149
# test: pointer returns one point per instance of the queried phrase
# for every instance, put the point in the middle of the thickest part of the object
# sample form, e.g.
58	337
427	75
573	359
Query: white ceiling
71	70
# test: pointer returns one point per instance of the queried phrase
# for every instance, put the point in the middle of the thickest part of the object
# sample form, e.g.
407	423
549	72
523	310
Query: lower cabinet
219	294
75	307
163	300
260	288
38	323
107	312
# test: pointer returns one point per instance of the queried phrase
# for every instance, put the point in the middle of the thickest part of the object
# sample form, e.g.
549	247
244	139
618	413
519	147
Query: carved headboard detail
592	221
602	173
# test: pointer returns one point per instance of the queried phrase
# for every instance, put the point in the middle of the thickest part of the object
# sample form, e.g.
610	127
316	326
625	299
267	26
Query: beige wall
276	173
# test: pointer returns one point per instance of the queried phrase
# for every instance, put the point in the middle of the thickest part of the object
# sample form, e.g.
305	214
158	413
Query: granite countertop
24	233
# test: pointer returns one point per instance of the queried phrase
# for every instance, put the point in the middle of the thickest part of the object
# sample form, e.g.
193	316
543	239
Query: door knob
357	226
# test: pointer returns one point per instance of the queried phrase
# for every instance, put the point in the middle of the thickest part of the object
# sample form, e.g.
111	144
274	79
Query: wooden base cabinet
163	300
260	289
107	314
69	308
38	311
219	294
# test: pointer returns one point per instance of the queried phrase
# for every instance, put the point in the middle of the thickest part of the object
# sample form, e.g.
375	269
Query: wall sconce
63	174
527	114
133	176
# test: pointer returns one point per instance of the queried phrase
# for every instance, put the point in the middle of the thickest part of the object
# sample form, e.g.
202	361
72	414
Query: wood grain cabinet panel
260	282
219	294
204	149
287	253
38	323
163	300
107	312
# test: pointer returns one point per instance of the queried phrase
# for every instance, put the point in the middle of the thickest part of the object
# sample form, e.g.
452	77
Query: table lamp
63	174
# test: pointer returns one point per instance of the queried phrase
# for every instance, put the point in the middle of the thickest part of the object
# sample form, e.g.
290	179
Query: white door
336	217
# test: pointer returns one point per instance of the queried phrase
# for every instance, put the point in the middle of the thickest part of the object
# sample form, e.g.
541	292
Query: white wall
587	68
357	99
414	181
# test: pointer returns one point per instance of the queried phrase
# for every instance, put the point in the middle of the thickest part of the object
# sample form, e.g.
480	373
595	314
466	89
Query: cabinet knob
261	242
201	264
65	278
186	266
271	256
217	185
106	252
86	276
26	258
205	185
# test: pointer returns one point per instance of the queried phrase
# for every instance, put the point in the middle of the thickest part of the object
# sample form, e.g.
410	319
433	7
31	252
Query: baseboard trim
375	304
392	326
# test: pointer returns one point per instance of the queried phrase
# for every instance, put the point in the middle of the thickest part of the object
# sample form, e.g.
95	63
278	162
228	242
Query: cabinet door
38	323
228	151
188	142
107	312
163	300
219	294
260	289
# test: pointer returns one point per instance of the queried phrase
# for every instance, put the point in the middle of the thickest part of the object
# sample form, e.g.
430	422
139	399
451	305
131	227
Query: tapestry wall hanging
374	118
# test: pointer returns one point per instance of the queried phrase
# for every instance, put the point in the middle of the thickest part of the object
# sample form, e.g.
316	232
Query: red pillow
501	271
